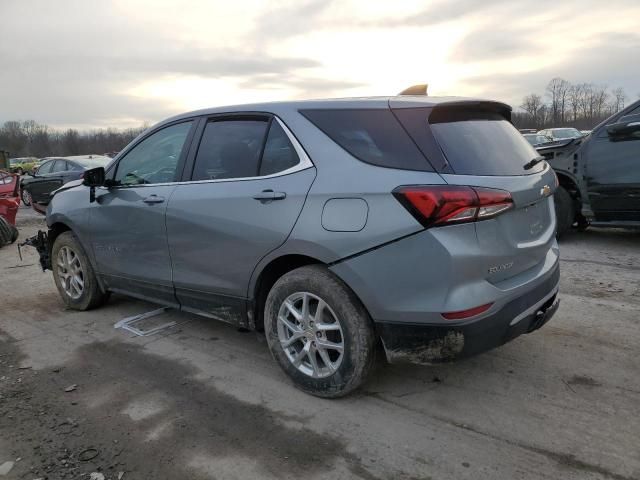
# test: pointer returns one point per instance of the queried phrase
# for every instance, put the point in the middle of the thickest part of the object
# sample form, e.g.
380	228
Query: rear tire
565	210
74	275
321	369
25	196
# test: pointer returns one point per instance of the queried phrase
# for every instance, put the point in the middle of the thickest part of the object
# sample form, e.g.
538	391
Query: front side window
154	159
230	149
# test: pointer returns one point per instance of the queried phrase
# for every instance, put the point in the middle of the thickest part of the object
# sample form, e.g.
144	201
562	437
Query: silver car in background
416	227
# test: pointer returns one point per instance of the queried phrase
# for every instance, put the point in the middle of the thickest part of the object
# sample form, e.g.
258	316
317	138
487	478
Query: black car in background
599	174
53	173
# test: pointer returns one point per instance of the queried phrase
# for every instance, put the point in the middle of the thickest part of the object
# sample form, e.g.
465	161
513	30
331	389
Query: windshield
97	161
566	133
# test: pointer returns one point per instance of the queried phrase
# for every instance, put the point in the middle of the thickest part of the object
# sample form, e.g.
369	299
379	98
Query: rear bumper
436	343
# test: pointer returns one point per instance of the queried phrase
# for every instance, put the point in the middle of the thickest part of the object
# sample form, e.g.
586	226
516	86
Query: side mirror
94	177
628	126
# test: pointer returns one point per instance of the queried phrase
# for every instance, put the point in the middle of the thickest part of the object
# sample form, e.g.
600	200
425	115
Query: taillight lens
464	314
448	204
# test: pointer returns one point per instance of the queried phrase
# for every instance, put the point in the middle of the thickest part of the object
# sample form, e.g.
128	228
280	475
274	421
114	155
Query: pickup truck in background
599	174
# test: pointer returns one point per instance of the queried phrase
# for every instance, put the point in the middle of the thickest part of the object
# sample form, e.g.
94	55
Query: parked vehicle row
22	165
416	226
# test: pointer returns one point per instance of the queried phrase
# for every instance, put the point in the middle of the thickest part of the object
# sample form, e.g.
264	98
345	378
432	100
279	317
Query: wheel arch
55	230
570	184
267	277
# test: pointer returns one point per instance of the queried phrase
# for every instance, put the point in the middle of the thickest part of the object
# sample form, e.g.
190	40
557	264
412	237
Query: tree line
566	104
32	139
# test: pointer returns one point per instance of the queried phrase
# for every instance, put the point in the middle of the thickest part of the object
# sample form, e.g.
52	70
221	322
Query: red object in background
9	195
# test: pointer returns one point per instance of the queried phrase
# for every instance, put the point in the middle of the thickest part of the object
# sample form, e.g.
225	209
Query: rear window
481	143
373	136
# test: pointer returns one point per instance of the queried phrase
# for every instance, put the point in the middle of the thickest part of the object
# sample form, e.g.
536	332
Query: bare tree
600	96
532	104
619	96
575	95
558	90
30	138
580	105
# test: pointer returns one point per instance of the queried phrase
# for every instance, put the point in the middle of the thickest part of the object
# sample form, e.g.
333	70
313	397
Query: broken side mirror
94	177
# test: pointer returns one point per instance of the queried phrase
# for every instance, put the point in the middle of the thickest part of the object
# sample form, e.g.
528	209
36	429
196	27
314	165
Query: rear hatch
474	144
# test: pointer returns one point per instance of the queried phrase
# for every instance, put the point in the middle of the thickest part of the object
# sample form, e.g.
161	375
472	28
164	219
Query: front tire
565	210
74	275
319	332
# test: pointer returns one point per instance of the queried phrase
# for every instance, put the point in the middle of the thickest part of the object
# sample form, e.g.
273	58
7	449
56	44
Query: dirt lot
203	400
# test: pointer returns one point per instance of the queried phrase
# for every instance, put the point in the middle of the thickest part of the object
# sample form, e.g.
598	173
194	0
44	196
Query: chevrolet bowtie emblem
545	191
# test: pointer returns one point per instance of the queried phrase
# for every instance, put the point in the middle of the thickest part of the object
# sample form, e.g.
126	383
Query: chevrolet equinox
415	227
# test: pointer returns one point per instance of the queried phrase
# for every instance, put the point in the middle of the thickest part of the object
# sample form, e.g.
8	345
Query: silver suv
420	228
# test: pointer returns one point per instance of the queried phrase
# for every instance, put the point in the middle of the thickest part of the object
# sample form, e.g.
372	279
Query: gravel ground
80	399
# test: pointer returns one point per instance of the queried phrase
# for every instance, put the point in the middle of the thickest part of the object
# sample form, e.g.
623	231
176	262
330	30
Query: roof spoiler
416	90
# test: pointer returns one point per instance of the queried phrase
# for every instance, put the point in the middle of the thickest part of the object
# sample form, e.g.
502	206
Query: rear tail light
449	204
81	175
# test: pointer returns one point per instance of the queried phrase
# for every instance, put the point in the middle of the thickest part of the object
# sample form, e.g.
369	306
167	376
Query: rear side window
279	154
373	136
481	143
230	149
59	166
45	167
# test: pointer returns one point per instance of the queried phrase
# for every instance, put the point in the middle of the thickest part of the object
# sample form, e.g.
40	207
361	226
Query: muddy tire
74	275
8	233
25	196
565	210
327	347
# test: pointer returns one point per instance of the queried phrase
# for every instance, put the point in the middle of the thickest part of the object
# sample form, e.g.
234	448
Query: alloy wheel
70	272
310	334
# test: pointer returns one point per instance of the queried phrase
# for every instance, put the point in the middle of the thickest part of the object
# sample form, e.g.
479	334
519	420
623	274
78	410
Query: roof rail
416	90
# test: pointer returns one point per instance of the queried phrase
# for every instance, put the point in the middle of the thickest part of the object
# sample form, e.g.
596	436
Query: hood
67	186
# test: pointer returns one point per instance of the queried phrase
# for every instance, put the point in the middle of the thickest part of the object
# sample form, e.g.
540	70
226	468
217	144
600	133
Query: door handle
269	195
151	199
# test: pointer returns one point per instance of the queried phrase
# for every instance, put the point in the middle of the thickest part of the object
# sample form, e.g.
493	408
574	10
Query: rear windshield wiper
533	162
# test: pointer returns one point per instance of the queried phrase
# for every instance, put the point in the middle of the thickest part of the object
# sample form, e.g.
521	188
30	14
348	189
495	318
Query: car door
127	220
613	174
247	185
49	177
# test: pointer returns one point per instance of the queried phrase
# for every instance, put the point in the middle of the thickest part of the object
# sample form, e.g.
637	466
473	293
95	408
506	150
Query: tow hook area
543	315
40	242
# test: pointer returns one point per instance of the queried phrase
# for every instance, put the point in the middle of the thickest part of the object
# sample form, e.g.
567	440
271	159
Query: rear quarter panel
341	176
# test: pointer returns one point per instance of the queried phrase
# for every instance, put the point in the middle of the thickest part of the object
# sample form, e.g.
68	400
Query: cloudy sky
96	63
